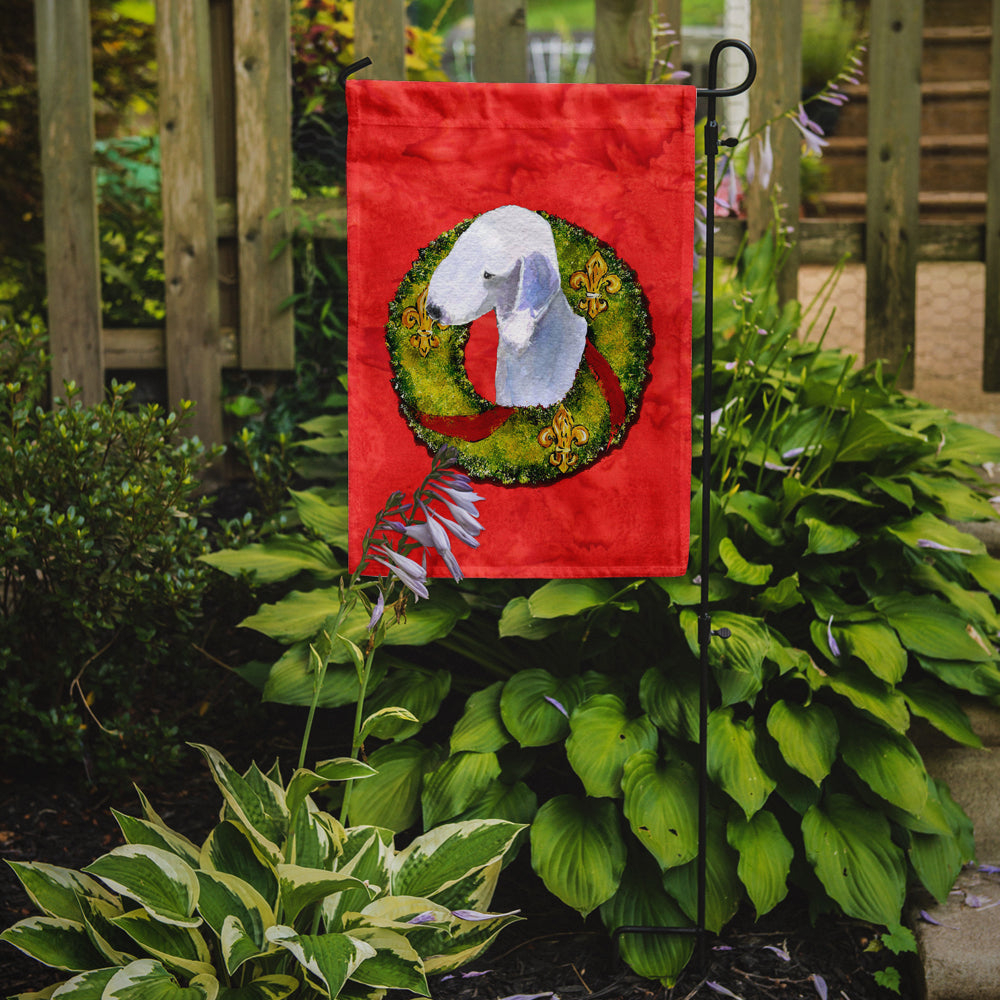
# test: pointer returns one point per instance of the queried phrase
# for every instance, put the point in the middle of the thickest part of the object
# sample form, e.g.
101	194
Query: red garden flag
519	284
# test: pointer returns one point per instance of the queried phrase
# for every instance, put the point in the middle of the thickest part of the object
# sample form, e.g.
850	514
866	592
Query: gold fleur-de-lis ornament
425	339
562	435
594	275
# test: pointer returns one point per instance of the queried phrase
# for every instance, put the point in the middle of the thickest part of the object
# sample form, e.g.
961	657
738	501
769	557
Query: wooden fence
226	161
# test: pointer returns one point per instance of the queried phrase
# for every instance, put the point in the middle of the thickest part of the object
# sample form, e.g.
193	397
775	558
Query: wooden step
957	206
947	162
956	53
940	13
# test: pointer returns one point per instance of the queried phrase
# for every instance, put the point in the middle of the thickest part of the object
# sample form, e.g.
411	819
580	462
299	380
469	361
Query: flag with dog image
519	289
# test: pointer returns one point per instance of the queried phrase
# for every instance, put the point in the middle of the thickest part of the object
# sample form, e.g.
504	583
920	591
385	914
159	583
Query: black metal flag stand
705	631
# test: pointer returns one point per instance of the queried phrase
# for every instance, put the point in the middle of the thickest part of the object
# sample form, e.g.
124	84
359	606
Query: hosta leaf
301	887
141	831
866	692
976	678
180	948
602	738
517	620
807	736
976	605
932	628
441	857
225	897
466	941
304	782
765	858
327	520
530	706
481	727
274	987
230	849
965	443
280	557
415	689
738	661
159	881
928	528
367	853
391	798
957	501
941	709
827	539
850	848
330	959
86	986
56	891
758	511
640	901
732	760
147	979
683	592
516	803
387	723
292	681
54	941
661	799
578	851
783	595
670	698
888	763
937	860
558	598
456	784
876	646
723	889
739	569
986	571
870	435
98	916
395	964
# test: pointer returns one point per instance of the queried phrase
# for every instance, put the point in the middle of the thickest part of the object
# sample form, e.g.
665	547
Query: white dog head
506	260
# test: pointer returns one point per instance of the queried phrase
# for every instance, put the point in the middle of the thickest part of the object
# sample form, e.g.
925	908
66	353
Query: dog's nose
434	311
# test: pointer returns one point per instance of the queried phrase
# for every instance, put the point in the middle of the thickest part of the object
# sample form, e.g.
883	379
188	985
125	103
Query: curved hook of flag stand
705	631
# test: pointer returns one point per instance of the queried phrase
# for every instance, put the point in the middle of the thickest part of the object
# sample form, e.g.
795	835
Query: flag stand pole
705	630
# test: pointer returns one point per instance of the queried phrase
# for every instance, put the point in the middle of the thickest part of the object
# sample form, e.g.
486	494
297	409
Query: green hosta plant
279	900
855	604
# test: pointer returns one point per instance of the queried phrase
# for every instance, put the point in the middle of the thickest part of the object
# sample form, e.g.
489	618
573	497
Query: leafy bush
854	602
99	539
279	899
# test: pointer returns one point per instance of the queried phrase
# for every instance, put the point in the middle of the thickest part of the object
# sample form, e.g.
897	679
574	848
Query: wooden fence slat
892	215
776	36
991	332
261	57
72	256
621	40
190	253
501	41
380	34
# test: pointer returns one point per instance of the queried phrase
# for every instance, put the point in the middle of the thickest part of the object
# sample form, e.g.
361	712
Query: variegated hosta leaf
158	880
230	849
141	831
466	941
147	979
807	736
602	737
391	799
732	760
723	889
888	763
475	891
481	727
256	801
177	947
300	887
56	891
225	897
98	915
535	706
661	799
54	941
456	784
850	847
304	782
441	857
315	838
329	959
86	986
417	690
642	902
274	987
367	853
578	851
395	964
765	858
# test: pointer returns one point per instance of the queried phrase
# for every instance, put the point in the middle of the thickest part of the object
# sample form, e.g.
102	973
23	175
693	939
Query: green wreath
527	445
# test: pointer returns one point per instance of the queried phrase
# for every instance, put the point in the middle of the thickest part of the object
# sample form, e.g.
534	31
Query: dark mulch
551	951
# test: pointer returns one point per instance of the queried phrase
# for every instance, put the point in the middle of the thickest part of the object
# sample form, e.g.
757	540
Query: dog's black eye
487	275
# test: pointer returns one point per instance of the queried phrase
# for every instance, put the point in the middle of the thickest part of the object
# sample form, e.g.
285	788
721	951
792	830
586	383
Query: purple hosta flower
531	996
820	983
377	611
727	198
719	988
927	918
812	134
989	869
410	573
780	952
475	915
465	975
552	701
760	165
927	543
427	917
831	642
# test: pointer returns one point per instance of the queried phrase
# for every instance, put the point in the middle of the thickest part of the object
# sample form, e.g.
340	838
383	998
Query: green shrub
99	540
279	900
